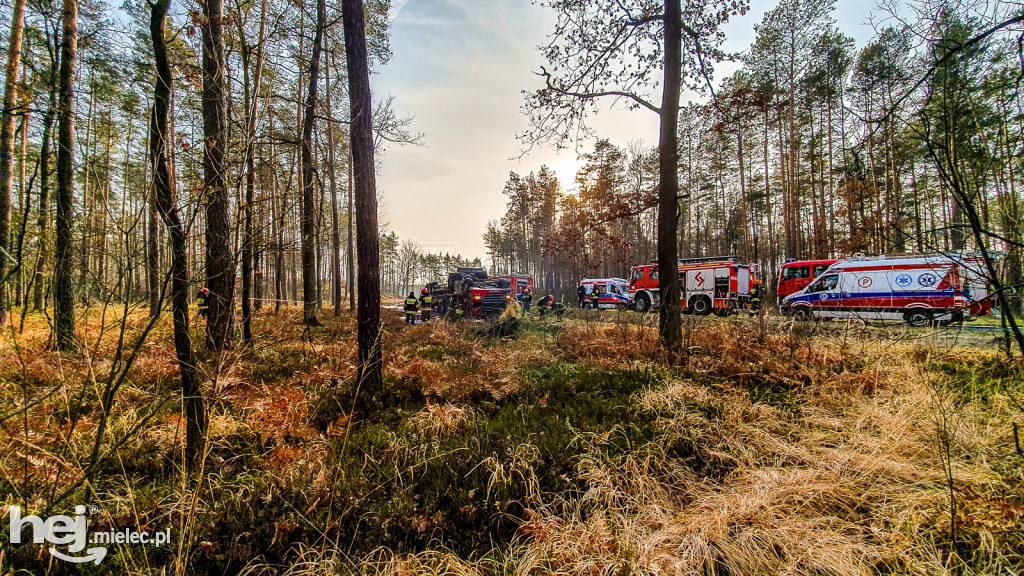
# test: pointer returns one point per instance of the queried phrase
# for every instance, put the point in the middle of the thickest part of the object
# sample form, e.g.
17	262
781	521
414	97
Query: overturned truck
473	291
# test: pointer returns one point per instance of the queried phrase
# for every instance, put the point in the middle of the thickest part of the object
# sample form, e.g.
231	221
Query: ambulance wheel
802	314
643	303
918	318
701	306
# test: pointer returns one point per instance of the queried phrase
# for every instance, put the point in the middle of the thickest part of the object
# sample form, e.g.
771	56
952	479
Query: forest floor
537	447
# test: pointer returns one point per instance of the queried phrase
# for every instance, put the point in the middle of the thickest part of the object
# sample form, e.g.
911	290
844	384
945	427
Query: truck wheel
643	303
701	306
802	314
917	318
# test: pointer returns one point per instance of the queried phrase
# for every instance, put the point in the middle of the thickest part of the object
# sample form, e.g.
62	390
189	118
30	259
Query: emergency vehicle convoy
917	289
718	284
612	292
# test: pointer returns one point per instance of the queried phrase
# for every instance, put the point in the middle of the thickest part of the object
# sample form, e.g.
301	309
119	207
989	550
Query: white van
917	290
612	292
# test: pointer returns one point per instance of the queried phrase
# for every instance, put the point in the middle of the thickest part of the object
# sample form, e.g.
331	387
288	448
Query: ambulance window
602	288
819	269
794	272
824	283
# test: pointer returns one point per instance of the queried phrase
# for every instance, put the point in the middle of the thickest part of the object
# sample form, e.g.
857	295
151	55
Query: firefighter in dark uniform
456	311
581	295
545	304
203	300
426	302
526	299
755	298
595	298
411	306
557	308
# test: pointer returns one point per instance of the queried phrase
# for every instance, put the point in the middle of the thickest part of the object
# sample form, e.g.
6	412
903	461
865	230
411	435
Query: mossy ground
531	447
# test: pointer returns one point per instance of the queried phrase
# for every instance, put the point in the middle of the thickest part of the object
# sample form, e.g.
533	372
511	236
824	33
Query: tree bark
7	144
42	217
220	265
335	232
193	405
153	247
63	289
252	91
669	320
309	268
370	381
350	278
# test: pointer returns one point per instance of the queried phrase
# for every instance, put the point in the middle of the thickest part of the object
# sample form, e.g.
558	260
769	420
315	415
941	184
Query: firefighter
203	300
544	306
581	295
526	299
595	298
411	306
425	304
755	298
557	308
456	310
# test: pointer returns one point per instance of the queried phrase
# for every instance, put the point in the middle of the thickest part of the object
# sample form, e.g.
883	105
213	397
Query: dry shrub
467	369
274	412
831	489
441	419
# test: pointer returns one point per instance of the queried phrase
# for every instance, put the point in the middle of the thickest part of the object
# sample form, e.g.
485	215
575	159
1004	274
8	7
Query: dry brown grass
777	452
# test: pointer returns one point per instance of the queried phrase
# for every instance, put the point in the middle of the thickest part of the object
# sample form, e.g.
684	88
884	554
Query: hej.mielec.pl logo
72	531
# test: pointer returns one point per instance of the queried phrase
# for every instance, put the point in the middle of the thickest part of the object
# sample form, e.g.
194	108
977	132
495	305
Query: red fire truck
718	284
471	288
796	275
520	283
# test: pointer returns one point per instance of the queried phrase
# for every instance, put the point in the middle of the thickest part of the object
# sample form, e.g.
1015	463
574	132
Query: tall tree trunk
7	144
42	217
193	405
309	268
351	282
63	288
153	247
370	381
331	173
220	265
669	320
252	91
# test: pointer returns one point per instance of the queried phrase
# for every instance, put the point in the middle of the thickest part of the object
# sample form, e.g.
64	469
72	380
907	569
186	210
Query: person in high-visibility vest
595	297
755	298
203	300
411	306
426	302
459	306
527	299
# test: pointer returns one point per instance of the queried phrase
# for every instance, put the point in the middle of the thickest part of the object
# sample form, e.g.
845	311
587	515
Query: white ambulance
916	289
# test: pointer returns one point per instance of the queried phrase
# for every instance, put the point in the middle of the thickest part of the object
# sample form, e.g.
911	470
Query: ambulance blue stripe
905	294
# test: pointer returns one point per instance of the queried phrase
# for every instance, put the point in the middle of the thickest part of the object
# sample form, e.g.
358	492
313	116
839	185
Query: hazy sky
459	68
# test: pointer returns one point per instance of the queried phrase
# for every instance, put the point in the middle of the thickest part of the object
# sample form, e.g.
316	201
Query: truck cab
797	274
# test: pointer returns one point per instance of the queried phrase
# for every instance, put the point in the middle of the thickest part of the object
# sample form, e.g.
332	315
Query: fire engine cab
718	284
518	282
797	274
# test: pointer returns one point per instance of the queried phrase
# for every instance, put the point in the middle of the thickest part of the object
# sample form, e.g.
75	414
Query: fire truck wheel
643	303
802	313
917	317
701	306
